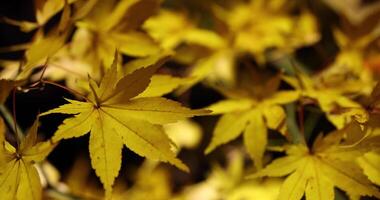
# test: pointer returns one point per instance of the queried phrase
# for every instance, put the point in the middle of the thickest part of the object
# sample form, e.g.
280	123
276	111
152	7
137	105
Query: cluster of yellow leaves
253	27
317	170
260	25
94	40
328	163
121	109
341	164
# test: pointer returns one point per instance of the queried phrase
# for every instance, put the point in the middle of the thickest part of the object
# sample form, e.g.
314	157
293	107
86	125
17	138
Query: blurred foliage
297	79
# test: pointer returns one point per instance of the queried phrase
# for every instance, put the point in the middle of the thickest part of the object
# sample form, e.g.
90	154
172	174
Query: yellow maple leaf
114	25
160	84
45	46
173	28
370	163
348	72
252	115
19	178
115	117
316	171
271	26
259	25
44	11
339	109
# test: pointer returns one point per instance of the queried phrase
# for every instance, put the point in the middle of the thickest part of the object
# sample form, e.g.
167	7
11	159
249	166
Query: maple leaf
218	64
45	46
179	29
115	117
19	178
114	25
315	172
347	73
160	84
163	84
253	116
273	18
369	162
45	10
339	109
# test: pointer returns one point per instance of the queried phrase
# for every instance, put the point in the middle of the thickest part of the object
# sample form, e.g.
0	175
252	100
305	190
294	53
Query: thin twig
67	89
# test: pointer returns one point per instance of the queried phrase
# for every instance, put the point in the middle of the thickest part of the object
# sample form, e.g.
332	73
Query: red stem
67	89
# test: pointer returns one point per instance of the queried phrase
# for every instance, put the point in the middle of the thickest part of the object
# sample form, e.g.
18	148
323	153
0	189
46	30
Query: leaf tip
209	149
180	165
202	112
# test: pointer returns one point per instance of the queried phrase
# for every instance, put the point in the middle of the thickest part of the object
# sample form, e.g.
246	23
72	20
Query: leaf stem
67	89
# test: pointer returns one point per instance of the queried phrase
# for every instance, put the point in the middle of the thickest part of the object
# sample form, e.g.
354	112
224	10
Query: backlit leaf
315	172
19	178
114	117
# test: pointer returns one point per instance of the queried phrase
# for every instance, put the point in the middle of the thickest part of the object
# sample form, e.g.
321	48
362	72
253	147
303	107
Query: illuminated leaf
247	113
113	118
19	178
370	162
315	172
